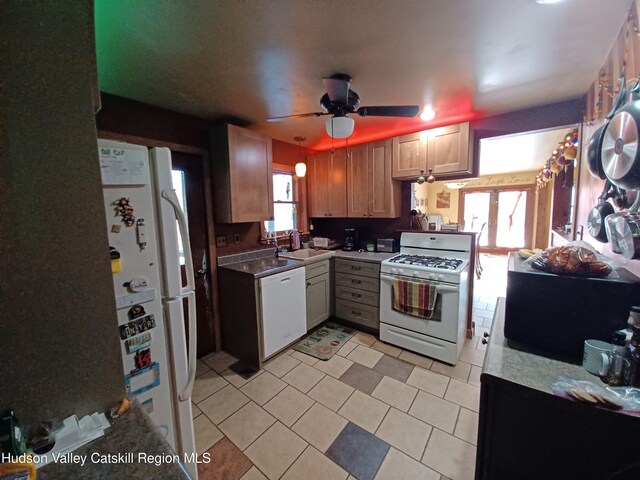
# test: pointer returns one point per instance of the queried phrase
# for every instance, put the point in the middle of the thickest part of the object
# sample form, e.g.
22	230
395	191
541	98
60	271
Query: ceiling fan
340	100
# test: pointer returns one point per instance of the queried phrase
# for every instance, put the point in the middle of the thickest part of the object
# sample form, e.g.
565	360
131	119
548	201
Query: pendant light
301	167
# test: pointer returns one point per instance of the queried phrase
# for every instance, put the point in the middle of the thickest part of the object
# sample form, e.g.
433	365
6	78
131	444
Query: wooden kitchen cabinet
318	279
448	150
409	155
372	192
445	150
327	184
241	174
357	286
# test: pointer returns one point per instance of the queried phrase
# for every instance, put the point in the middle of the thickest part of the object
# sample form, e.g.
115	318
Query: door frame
529	229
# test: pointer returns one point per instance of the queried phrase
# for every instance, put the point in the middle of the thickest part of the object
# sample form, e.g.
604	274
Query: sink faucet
275	242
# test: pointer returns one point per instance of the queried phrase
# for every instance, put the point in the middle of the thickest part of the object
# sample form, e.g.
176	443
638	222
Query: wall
626	49
59	344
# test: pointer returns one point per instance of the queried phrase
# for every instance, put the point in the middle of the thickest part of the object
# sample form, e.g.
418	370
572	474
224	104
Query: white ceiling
253	59
518	153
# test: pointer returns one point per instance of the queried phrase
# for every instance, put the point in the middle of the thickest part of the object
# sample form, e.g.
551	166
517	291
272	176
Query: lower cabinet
357	287
318	293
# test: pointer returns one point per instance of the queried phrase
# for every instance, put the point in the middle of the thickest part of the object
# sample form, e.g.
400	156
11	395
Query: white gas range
440	259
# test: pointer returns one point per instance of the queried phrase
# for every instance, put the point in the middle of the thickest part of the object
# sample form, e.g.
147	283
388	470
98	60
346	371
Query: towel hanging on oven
414	298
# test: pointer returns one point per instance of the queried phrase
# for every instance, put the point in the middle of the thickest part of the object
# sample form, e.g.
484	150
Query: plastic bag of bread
571	260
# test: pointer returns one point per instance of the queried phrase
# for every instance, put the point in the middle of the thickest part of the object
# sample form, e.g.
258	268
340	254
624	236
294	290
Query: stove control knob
440	277
394	271
415	273
432	276
400	271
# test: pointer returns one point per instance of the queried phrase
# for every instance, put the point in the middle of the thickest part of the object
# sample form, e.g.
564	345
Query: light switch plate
236	238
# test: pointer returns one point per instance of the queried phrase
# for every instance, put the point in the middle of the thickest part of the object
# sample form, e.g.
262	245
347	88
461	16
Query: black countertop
134	433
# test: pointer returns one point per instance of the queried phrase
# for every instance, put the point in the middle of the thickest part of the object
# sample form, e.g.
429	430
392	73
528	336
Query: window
285	204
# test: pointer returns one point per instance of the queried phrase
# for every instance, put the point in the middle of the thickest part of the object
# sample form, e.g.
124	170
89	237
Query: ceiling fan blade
337	87
299	115
389	111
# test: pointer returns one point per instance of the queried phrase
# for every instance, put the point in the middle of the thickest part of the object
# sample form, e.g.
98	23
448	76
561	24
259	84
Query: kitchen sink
304	254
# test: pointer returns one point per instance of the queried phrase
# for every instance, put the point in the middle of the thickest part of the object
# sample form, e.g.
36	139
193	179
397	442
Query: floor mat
325	341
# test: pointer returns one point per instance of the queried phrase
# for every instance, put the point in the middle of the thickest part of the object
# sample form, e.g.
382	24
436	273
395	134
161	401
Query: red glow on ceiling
450	111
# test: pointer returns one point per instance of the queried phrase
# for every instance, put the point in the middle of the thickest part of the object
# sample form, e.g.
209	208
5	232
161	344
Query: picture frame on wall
443	199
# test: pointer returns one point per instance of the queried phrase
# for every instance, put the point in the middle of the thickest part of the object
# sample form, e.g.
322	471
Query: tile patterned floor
374	411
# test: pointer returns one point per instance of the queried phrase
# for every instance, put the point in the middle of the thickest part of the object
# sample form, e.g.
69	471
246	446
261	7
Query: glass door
476	214
503	216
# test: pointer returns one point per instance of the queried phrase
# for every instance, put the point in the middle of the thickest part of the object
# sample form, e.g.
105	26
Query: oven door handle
439	287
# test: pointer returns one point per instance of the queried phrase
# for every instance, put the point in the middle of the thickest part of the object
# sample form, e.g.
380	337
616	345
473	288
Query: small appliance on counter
386	245
557	313
350	239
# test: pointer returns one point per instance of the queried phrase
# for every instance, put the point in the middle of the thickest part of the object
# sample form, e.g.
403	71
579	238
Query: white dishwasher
284	309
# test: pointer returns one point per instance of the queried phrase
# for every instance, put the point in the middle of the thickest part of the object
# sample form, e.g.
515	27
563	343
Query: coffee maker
350	239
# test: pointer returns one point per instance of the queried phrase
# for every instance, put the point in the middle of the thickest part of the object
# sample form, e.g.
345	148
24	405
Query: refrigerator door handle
185	395
170	196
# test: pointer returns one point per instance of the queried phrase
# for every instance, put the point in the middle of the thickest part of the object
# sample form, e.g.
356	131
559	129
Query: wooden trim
493	212
150	143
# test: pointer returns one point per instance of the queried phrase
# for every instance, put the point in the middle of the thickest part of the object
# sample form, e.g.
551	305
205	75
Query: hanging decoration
560	158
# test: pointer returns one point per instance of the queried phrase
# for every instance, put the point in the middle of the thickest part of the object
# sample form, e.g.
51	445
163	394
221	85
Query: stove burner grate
427	261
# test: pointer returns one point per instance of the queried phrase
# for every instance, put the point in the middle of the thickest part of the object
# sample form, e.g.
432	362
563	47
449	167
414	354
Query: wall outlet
221	241
236	238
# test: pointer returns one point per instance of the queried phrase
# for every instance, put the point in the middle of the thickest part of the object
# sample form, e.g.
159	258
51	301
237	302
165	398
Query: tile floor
373	411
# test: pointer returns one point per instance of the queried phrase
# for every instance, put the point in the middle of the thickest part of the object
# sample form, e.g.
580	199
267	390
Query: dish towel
414	298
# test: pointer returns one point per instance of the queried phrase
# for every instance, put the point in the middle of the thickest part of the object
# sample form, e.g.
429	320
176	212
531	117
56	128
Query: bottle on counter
614	375
631	365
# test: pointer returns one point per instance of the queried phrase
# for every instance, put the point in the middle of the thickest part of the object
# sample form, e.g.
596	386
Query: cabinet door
318	300
409	155
384	191
318	184
250	175
358	182
337	183
448	150
284	309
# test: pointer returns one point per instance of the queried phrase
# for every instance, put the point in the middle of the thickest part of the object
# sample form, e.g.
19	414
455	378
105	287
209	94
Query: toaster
386	245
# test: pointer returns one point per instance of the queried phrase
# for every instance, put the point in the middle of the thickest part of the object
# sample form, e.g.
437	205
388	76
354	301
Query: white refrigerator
144	220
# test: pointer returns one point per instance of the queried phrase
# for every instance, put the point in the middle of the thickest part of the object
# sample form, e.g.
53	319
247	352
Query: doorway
503	216
187	180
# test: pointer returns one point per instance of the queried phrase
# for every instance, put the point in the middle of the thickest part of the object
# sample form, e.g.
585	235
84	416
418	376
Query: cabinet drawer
358	268
360	296
357	281
357	313
316	269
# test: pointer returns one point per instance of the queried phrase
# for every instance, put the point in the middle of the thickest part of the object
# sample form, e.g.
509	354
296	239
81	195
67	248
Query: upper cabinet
241	175
327	184
372	192
409	155
448	150
445	150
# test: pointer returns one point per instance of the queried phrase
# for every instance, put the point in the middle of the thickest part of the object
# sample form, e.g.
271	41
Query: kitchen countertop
131	432
264	267
525	367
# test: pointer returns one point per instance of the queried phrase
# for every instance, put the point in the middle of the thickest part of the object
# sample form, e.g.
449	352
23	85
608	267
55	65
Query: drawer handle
285	280
356	313
353	267
308	284
357	282
357	295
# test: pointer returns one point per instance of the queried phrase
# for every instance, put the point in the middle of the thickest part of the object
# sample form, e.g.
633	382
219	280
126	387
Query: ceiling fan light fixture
428	114
547	2
340	127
